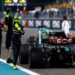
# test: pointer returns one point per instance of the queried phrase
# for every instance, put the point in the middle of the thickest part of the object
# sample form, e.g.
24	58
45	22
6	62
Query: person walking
66	27
16	39
8	22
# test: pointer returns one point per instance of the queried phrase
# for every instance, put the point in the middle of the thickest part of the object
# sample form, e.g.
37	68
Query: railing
49	14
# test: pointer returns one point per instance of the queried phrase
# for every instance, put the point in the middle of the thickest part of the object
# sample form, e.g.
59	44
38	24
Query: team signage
55	24
15	3
8	1
52	24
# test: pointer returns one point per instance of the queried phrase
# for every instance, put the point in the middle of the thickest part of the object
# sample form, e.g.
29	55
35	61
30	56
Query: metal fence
50	14
47	14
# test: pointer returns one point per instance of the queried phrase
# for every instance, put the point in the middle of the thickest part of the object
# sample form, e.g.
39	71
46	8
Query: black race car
52	50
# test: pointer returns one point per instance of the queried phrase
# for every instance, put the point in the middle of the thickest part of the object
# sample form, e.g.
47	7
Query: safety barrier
48	23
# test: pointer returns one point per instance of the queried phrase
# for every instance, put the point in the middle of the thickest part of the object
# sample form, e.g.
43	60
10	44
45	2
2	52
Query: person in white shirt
66	27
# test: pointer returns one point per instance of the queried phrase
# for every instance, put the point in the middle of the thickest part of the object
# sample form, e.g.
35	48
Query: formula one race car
53	49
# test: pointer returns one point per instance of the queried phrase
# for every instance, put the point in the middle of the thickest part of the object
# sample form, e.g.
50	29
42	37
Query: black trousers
16	45
0	41
8	39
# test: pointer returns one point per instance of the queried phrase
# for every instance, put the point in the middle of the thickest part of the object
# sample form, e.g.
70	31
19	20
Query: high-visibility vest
17	23
7	15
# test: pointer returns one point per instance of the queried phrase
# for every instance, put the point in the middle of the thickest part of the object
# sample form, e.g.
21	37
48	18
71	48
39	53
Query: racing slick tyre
35	58
24	54
57	59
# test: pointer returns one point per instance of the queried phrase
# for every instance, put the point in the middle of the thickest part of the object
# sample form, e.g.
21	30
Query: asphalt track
41	71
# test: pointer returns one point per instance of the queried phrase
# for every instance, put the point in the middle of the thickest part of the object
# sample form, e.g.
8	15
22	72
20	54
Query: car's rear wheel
24	54
35	57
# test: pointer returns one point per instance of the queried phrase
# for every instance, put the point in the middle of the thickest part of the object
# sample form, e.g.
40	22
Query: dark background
31	4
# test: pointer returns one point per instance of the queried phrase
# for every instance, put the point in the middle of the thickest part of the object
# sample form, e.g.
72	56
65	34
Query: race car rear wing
58	38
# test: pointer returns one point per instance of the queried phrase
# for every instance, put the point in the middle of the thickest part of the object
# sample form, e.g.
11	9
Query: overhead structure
15	4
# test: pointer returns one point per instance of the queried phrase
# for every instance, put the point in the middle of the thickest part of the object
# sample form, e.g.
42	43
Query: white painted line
21	68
